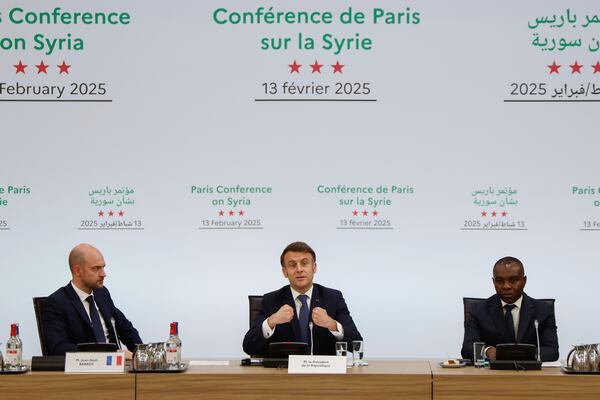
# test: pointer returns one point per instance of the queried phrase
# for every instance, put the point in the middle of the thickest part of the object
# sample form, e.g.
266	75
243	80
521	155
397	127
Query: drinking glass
357	353
478	356
141	357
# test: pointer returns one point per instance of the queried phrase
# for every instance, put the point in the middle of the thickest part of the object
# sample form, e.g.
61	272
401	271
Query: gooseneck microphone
310	327
537	336
114	326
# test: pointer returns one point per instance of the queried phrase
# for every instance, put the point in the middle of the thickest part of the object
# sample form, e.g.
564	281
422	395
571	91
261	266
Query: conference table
382	379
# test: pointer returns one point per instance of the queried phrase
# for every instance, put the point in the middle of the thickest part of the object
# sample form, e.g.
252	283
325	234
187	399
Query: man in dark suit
509	315
83	311
288	313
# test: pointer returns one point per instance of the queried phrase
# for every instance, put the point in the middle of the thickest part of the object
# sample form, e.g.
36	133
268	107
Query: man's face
509	281
299	268
90	273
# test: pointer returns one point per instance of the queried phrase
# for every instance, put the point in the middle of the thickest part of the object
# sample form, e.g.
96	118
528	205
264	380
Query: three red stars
554	67
20	67
42	67
111	213
316	67
294	67
63	68
337	67
494	213
576	68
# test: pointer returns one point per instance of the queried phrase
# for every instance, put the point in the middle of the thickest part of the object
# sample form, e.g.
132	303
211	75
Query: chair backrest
38	307
468	303
255	303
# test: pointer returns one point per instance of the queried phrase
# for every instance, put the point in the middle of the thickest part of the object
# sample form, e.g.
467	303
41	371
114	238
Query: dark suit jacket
485	323
66	323
323	340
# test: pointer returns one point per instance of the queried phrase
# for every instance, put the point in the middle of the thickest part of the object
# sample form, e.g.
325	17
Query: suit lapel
106	314
527	309
77	304
289	300
497	313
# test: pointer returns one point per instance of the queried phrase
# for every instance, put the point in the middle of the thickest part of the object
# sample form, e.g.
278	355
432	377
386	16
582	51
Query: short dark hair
299	247
507	261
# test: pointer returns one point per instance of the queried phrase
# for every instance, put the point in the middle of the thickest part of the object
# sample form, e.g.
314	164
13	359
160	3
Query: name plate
316	364
90	363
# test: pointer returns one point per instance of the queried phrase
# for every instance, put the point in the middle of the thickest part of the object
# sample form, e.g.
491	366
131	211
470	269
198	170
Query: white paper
316	364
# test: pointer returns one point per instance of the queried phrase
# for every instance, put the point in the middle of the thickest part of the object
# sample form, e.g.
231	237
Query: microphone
310	326
112	322
537	336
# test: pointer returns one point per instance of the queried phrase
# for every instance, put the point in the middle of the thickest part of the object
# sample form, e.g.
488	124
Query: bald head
507	262
77	256
509	279
87	267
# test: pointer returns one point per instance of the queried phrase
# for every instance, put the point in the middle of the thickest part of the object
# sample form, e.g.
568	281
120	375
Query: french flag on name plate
119	360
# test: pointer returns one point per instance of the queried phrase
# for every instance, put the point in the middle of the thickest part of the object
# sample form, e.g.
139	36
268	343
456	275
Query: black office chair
38	307
469	302
255	303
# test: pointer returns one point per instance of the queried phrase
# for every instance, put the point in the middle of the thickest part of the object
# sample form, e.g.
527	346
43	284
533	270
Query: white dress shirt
516	312
268	332
83	296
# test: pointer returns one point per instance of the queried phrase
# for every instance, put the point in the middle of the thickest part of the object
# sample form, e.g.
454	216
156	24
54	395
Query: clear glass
478	356
358	348
141	357
14	354
341	349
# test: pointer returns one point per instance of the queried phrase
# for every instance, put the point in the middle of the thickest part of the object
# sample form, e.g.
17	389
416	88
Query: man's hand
491	353
282	316
320	318
128	354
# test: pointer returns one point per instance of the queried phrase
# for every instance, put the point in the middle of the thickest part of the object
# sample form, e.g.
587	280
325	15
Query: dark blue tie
509	321
96	324
303	318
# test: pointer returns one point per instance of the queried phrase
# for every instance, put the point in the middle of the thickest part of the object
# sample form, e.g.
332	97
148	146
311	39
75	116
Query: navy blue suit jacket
485	323
66	323
323	341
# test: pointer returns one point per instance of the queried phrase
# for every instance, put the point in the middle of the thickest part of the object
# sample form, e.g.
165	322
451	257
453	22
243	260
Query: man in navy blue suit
83	311
509	315
287	313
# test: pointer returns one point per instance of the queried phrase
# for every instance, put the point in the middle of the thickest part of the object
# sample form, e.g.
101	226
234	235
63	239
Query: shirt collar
516	303
82	295
295	294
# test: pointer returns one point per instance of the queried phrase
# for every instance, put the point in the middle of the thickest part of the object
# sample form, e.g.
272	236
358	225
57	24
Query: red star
355	213
121	213
337	67
241	213
365	213
484	214
316	67
554	67
504	213
42	67
221	213
375	213
20	67
576	68
231	213
111	213
101	214
64	68
596	67
494	213
295	67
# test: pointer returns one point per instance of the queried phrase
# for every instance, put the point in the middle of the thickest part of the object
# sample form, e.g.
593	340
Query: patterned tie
303	318
509	321
96	324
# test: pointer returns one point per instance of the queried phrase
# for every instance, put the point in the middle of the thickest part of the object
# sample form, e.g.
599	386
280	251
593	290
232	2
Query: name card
90	363
316	364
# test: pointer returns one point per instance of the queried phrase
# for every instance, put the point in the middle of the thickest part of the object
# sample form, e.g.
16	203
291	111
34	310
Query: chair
38	307
255	303
469	302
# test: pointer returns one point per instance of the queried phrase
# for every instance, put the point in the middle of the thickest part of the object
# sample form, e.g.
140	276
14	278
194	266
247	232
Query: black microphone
537	336
112	322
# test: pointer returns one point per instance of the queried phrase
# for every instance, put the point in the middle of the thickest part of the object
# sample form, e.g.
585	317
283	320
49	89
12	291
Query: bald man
509	315
83	311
